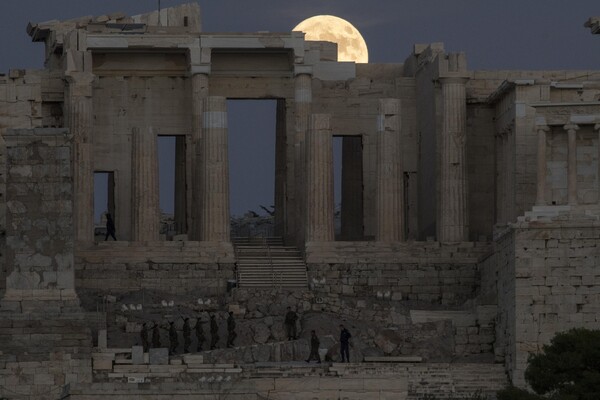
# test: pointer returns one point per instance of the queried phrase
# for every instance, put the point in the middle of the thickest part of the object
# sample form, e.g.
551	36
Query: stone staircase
267	263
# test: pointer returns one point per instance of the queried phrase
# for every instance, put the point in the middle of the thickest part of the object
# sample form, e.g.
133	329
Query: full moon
351	45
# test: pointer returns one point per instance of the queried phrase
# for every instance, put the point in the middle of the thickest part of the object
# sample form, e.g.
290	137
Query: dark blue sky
507	34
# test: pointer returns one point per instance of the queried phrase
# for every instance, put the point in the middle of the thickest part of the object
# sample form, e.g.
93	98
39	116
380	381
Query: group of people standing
290	324
344	346
155	342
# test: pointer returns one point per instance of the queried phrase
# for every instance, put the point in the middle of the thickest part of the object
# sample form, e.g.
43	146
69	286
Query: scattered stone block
137	355
159	356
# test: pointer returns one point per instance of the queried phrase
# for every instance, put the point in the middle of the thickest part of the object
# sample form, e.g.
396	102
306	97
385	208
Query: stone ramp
267	262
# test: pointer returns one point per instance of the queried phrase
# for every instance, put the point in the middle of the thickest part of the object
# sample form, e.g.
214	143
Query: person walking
173	338
314	348
214	332
290	323
110	227
187	335
155	336
345	343
231	335
199	334
144	337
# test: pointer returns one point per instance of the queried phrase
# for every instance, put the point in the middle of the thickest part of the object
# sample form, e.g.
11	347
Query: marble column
542	130
500	167
80	123
145	210
510	175
319	180
597	128
302	109
281	161
214	223
390	198
199	94
352	188
453	224
572	163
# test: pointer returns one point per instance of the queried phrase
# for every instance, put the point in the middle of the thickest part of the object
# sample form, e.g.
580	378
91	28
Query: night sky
507	34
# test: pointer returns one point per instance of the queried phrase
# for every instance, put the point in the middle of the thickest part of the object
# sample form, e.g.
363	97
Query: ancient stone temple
470	230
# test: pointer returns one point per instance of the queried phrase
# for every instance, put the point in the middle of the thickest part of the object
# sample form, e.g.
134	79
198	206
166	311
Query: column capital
303	70
542	128
80	83
204	69
571	127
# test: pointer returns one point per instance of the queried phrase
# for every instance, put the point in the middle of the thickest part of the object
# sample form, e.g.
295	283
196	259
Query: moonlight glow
351	45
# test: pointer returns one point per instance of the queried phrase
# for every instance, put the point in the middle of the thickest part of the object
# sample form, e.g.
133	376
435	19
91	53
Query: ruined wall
556	282
420	272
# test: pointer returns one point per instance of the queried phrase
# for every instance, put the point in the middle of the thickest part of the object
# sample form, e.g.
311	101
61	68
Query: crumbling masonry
470	215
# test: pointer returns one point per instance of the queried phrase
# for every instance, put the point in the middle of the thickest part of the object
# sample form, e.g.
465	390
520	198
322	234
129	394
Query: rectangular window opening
104	202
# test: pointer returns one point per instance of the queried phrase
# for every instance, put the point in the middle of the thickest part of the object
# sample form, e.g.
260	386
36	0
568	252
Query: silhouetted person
231	335
110	227
214	332
199	334
144	337
290	323
173	338
155	336
345	343
314	348
187	335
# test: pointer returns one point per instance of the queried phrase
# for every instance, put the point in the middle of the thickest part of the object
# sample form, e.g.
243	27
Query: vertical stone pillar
597	128
145	210
390	198
199	94
352	188
281	161
510	181
319	180
214	223
541	165
500	171
572	163
180	185
453	224
80	122
302	109
39	265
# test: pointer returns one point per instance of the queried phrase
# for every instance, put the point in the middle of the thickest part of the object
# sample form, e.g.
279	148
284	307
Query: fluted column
319	180
541	165
144	186
572	163
500	170
453	224
510	175
214	223
199	94
302	108
390	218
597	128
80	122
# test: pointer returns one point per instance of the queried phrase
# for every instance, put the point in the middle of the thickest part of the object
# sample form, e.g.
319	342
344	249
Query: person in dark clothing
144	337
110	227
314	348
231	335
345	344
187	335
155	336
214	332
290	324
173	338
199	334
